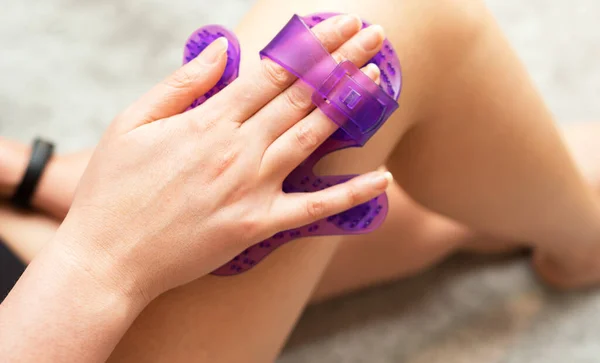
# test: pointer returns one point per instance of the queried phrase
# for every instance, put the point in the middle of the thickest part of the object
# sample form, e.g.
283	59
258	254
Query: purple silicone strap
343	93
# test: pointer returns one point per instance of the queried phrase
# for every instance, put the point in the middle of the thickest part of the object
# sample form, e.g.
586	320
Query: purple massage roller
342	92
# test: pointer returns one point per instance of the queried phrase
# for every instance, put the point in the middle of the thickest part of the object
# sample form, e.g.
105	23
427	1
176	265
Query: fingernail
381	180
214	51
372	71
371	38
377	79
348	25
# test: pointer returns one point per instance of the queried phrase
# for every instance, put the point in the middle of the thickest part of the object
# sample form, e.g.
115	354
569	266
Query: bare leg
466	156
413	238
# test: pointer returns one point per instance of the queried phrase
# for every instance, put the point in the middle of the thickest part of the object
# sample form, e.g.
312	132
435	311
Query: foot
568	273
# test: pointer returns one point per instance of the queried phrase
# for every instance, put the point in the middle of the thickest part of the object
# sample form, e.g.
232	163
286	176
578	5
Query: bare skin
468	161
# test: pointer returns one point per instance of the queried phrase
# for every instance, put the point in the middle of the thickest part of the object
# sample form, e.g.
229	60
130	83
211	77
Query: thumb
177	92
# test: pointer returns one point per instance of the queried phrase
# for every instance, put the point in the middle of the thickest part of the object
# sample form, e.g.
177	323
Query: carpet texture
67	67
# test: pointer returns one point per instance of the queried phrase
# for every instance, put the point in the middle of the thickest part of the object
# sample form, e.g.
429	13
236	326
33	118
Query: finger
177	92
295	102
250	93
298	209
302	139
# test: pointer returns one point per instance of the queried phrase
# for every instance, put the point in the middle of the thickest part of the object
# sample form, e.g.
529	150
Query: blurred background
67	67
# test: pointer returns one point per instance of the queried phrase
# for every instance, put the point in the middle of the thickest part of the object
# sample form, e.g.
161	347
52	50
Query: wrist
63	310
13	162
98	268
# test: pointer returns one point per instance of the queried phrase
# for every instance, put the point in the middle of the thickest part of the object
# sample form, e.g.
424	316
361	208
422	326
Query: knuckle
306	137
315	209
340	55
119	124
251	225
328	32
276	74
298	99
330	39
352	196
200	127
183	78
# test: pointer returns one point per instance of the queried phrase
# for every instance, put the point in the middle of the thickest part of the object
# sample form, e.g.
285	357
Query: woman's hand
169	196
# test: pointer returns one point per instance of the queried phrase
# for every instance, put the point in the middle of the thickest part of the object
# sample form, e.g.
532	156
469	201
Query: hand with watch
169	196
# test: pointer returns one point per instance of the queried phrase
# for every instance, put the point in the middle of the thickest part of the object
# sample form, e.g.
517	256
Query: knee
453	27
435	39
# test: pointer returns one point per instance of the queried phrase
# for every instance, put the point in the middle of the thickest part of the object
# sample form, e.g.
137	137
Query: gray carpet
68	66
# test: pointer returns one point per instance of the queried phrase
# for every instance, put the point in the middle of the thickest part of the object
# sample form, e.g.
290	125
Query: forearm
60	311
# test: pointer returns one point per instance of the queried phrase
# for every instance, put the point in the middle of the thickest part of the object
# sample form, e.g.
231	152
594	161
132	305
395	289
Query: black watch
40	155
